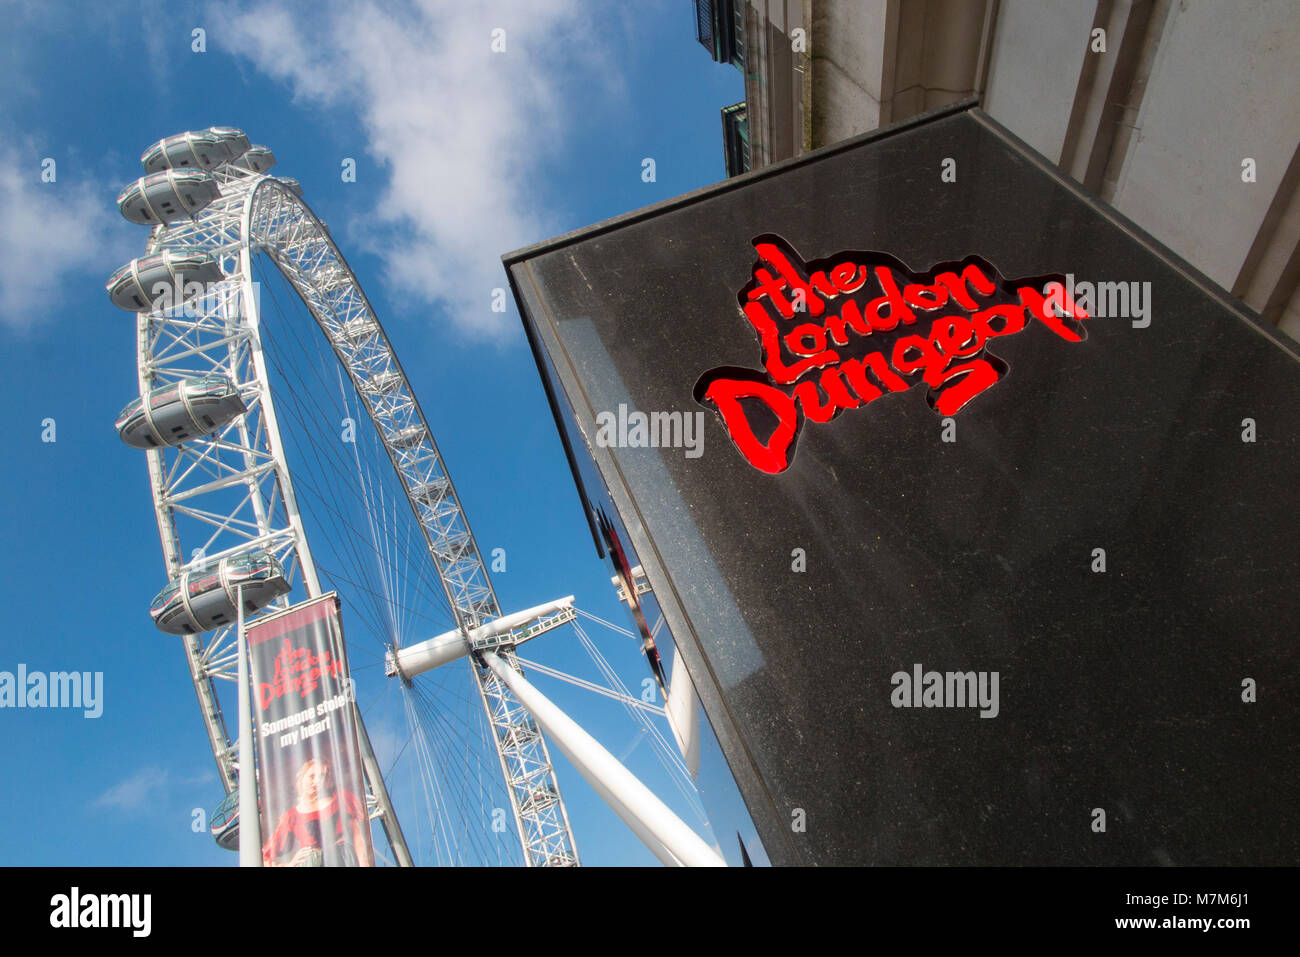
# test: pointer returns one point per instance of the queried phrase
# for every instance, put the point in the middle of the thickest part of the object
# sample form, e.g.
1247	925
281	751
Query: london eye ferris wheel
289	457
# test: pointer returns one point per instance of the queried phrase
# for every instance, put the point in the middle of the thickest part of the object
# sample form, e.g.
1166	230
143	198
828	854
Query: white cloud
459	129
149	787
50	233
135	792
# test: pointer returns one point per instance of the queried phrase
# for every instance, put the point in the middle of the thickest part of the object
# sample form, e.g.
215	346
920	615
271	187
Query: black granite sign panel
972	509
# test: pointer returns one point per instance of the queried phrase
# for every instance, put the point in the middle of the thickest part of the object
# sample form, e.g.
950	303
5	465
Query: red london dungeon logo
840	332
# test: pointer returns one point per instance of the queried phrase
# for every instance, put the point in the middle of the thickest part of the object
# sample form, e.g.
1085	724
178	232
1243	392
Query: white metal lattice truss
232	490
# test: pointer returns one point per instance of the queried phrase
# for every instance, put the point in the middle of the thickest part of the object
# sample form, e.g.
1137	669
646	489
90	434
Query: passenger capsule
167	196
235	140
256	159
203	599
197	149
291	184
134	287
171	414
225	822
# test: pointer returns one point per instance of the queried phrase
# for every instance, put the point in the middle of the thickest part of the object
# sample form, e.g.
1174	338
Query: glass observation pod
134	287
256	159
167	196
197	149
291	184
203	599
173	413
225	822
407	438
236	140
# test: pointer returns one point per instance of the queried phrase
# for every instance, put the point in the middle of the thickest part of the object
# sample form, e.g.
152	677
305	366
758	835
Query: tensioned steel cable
439	741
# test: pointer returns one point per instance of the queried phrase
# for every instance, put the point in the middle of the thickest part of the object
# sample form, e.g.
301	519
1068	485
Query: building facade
1180	113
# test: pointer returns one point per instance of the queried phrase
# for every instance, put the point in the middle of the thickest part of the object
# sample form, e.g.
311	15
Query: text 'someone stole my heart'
840	332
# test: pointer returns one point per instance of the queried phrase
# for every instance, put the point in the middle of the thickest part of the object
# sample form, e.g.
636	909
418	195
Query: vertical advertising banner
313	806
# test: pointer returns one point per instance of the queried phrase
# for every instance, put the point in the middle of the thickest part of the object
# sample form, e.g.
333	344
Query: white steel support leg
671	840
250	825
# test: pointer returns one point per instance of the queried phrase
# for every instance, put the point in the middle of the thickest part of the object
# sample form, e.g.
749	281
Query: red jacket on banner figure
325	827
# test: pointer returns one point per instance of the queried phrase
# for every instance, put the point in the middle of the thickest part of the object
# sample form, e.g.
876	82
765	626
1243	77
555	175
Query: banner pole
250	825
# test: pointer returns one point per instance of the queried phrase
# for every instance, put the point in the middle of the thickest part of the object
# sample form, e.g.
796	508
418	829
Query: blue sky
462	154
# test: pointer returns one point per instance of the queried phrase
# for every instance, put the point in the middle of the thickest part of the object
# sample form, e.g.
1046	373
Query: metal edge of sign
293	608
